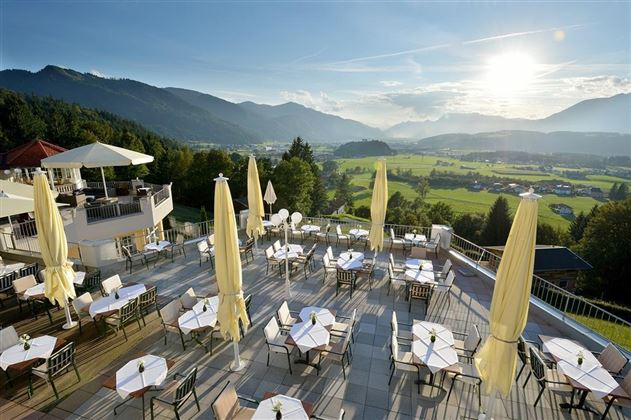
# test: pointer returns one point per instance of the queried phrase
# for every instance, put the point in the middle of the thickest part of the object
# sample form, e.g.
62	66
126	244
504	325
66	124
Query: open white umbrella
11	204
96	155
270	195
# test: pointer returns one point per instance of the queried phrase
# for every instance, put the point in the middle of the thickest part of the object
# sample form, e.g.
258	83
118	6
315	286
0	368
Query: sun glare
510	73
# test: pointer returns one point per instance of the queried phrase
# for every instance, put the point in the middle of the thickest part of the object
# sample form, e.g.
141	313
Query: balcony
365	393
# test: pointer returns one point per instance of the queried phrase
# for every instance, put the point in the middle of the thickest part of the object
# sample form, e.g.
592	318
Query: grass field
186	214
620	334
464	201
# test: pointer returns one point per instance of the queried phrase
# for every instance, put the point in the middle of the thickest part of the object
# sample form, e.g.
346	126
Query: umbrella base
237	368
69	325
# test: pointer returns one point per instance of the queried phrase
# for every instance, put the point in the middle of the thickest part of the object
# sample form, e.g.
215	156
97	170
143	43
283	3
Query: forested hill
24	118
364	148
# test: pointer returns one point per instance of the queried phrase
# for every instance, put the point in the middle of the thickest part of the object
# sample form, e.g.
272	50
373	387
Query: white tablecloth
110	303
323	316
350	261
437	355
308	336
564	349
292	409
38	289
197	318
10	268
420	276
129	379
41	348
267	224
418	264
415	239
310	228
157	247
294	252
358	233
594	378
79	276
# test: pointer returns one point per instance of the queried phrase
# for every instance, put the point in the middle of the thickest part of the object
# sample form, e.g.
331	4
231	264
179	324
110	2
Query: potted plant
141	366
313	316
116	295
276	408
206	303
432	335
24	338
580	357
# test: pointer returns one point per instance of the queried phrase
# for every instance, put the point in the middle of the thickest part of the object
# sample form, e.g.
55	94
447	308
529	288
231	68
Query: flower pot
313	321
141	368
432	338
580	361
116	296
26	345
204	308
279	415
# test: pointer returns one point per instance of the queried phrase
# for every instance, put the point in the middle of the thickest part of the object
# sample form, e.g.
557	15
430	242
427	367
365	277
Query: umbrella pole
236	365
490	405
104	184
69	322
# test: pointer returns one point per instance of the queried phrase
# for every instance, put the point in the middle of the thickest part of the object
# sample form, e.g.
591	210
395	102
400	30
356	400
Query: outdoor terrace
365	393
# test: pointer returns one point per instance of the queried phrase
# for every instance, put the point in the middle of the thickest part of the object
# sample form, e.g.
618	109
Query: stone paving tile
365	393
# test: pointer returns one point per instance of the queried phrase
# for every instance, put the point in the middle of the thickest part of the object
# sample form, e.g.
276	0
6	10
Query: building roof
553	258
30	155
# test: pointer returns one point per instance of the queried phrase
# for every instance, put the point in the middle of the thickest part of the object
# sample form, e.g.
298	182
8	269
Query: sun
510	73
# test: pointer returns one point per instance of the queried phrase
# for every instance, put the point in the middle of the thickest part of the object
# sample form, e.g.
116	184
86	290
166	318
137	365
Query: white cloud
95	72
430	101
390	83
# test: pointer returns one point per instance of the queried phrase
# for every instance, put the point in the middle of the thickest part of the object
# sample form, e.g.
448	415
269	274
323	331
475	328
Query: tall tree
498	223
607	244
302	150
440	213
293	182
577	227
613	192
344	192
469	226
623	192
422	187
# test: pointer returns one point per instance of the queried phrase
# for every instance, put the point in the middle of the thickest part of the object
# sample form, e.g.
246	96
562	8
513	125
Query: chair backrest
150	297
353	318
420	290
128	311
326	260
537	365
110	284
179	239
345	277
391	258
188	298
170	312
612	359
522	349
60	360
392	235
40	276
436	240
28	269
394	348
23	283
391	272
450	279
276	246
92	280
329	252
8	338
248	301
626	383
394	324
185	387
202	246
271	329
473	339
6	282
226	404
338	230
292	225
81	302
446	267
283	313
269	253
126	251
211	239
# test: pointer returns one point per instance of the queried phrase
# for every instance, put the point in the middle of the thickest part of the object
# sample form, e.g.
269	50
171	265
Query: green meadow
465	201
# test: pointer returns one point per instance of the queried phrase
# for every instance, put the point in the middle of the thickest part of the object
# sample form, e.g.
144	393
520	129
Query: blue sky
380	63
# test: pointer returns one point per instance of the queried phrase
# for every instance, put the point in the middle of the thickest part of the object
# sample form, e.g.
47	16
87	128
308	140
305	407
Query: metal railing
609	326
110	211
161	195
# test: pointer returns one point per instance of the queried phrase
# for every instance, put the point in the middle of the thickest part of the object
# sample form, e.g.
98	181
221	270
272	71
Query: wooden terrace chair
177	393
227	406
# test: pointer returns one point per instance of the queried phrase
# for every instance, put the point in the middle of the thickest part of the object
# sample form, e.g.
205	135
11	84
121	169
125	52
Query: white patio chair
434	245
328	265
111	284
394	327
469	345
341	237
395	267
8	338
276	341
394	241
285	316
402	361
81	305
612	359
188	299
397	280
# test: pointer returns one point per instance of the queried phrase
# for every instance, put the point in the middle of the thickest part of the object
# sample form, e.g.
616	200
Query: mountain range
188	115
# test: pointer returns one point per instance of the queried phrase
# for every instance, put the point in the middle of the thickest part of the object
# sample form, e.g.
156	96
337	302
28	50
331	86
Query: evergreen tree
577	227
344	192
422	187
613	192
293	182
623	192
469	226
498	223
